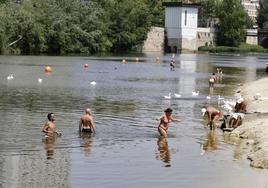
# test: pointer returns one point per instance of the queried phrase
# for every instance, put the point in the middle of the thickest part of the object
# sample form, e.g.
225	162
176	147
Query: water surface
127	99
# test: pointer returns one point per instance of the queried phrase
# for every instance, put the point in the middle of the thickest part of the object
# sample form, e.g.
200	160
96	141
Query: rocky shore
255	125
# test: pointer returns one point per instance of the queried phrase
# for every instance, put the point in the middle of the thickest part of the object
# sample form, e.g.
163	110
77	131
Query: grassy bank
242	48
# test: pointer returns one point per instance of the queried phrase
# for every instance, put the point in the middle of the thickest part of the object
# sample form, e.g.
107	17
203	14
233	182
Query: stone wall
205	37
155	40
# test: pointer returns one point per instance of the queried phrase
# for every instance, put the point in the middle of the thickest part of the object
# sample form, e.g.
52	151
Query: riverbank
255	125
242	48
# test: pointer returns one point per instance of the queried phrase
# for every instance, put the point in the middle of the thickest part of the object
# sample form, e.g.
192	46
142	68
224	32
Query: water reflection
49	146
211	143
163	151
85	142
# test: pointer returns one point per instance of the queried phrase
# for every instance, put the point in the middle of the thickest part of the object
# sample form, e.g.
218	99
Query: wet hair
213	73
49	116
168	110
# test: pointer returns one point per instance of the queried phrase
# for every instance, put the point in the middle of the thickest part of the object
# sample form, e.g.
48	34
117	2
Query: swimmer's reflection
164	153
86	142
49	146
211	91
211	142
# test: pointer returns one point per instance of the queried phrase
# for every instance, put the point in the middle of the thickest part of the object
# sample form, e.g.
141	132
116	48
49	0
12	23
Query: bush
243	48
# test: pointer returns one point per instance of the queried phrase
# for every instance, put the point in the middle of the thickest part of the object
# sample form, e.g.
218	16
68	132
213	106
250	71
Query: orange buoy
48	69
86	65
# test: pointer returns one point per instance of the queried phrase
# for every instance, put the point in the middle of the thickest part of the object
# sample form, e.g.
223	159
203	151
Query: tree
262	18
232	23
207	13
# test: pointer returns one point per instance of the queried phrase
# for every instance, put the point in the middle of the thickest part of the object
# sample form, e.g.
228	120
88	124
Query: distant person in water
266	70
172	65
86	122
164	121
49	127
212	80
213	115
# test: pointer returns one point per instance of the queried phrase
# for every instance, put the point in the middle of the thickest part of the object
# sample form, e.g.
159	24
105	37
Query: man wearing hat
239	113
213	115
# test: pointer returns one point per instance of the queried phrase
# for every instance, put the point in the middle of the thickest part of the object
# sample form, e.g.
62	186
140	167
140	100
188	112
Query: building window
185	19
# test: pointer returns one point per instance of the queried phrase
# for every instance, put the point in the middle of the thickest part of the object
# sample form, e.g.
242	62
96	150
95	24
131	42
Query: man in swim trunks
164	121
213	115
86	122
49	127
212	80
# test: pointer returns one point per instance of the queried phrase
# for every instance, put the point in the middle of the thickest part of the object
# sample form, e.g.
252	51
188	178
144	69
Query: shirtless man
49	127
213	115
239	113
86	122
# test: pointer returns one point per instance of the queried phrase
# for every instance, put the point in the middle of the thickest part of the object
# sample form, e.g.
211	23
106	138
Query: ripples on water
126	101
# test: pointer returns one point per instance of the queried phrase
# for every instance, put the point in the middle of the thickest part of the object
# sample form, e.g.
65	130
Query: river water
126	150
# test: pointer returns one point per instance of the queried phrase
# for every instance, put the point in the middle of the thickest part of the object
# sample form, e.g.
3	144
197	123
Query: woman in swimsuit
164	120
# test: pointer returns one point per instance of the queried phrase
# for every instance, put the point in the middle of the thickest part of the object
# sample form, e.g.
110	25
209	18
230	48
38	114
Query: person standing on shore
49	127
164	121
86	122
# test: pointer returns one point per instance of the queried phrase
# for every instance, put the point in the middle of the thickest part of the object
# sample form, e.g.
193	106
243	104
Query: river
126	100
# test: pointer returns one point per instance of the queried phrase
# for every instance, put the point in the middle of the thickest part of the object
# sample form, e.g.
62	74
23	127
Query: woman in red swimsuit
164	120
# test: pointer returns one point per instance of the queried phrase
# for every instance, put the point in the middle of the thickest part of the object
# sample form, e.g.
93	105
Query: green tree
232	23
262	18
207	13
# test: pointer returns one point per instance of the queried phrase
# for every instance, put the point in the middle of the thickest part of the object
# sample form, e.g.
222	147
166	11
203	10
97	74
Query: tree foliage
75	26
232	23
208	13
262	18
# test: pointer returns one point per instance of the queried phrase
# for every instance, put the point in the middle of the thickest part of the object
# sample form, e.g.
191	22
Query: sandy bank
255	126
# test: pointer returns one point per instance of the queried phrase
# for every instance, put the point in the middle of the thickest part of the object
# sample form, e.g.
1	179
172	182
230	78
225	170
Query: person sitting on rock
239	113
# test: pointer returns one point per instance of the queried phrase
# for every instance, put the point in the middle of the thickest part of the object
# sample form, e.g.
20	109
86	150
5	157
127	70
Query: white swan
177	95
168	97
10	77
220	98
227	107
40	80
208	97
93	83
195	93
230	103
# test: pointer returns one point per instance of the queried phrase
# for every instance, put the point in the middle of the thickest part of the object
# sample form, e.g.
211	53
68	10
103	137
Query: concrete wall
252	36
155	40
205	36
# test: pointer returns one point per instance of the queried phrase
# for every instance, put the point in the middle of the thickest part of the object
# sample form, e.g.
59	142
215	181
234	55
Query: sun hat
240	100
203	110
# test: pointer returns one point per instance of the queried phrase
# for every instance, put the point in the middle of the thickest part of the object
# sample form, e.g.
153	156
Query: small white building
181	26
